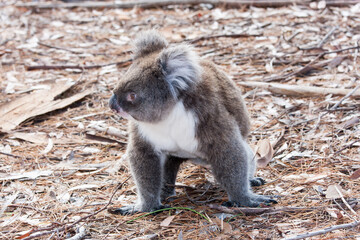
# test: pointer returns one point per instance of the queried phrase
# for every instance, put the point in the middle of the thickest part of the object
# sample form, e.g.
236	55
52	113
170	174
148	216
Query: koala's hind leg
171	168
234	174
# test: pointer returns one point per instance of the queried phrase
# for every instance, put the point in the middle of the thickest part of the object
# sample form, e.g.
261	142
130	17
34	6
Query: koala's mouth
115	107
121	113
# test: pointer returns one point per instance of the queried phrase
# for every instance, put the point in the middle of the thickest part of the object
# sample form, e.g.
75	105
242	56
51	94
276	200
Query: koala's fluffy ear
148	42
181	68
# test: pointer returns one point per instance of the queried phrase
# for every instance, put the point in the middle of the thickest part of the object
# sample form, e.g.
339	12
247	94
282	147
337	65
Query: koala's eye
131	97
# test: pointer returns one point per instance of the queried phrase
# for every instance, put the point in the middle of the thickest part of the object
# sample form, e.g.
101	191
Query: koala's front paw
257	181
132	209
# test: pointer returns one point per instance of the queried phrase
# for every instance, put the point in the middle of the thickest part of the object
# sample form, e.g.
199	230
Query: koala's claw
258	181
254	202
270	200
126	210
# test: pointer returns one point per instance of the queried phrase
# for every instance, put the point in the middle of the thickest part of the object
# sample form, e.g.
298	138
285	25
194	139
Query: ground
48	185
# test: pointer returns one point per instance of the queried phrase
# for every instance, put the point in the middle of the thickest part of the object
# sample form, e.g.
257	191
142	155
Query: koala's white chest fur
174	135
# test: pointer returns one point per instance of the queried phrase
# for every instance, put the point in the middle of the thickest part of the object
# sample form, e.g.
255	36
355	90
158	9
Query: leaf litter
63	152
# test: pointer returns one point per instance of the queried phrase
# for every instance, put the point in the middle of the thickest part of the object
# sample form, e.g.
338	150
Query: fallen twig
323	231
58	48
29	207
300	71
10	155
81	67
327	36
299	91
163	3
345	202
334	51
103	139
47	231
109	130
66	49
259	211
336	105
311	66
344	98
235	35
347	146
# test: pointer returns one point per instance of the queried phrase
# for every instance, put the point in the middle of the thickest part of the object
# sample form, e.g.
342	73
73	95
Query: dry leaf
334	191
84	187
224	226
334	212
352	122
8	201
316	177
38	138
166	222
37	103
25	235
27	175
265	152
355	175
48	147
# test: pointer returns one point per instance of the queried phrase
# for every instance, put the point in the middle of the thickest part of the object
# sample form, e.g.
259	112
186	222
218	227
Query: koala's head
156	80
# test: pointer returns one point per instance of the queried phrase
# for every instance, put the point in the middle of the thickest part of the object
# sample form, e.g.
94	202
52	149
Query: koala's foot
254	201
132	209
167	194
125	210
257	181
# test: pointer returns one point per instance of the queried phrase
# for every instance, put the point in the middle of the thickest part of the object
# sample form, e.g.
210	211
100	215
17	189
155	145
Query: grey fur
181	68
222	124
148	42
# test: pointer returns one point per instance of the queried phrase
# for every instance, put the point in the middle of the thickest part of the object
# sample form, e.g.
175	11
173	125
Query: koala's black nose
113	103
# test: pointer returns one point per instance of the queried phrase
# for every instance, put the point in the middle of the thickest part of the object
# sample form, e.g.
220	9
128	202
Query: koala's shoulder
213	74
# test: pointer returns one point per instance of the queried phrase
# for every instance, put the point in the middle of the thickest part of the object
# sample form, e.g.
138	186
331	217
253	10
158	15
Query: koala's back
226	95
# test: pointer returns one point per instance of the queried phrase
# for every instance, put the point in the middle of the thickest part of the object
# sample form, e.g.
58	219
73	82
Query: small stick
259	211
335	51
295	73
345	202
68	50
29	207
236	35
307	66
345	97
324	231
81	67
10	155
58	48
346	147
292	36
336	105
327	36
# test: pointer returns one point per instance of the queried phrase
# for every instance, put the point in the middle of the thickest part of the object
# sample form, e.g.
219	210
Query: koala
179	108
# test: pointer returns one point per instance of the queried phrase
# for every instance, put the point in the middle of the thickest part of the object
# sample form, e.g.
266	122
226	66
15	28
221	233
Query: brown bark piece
35	104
